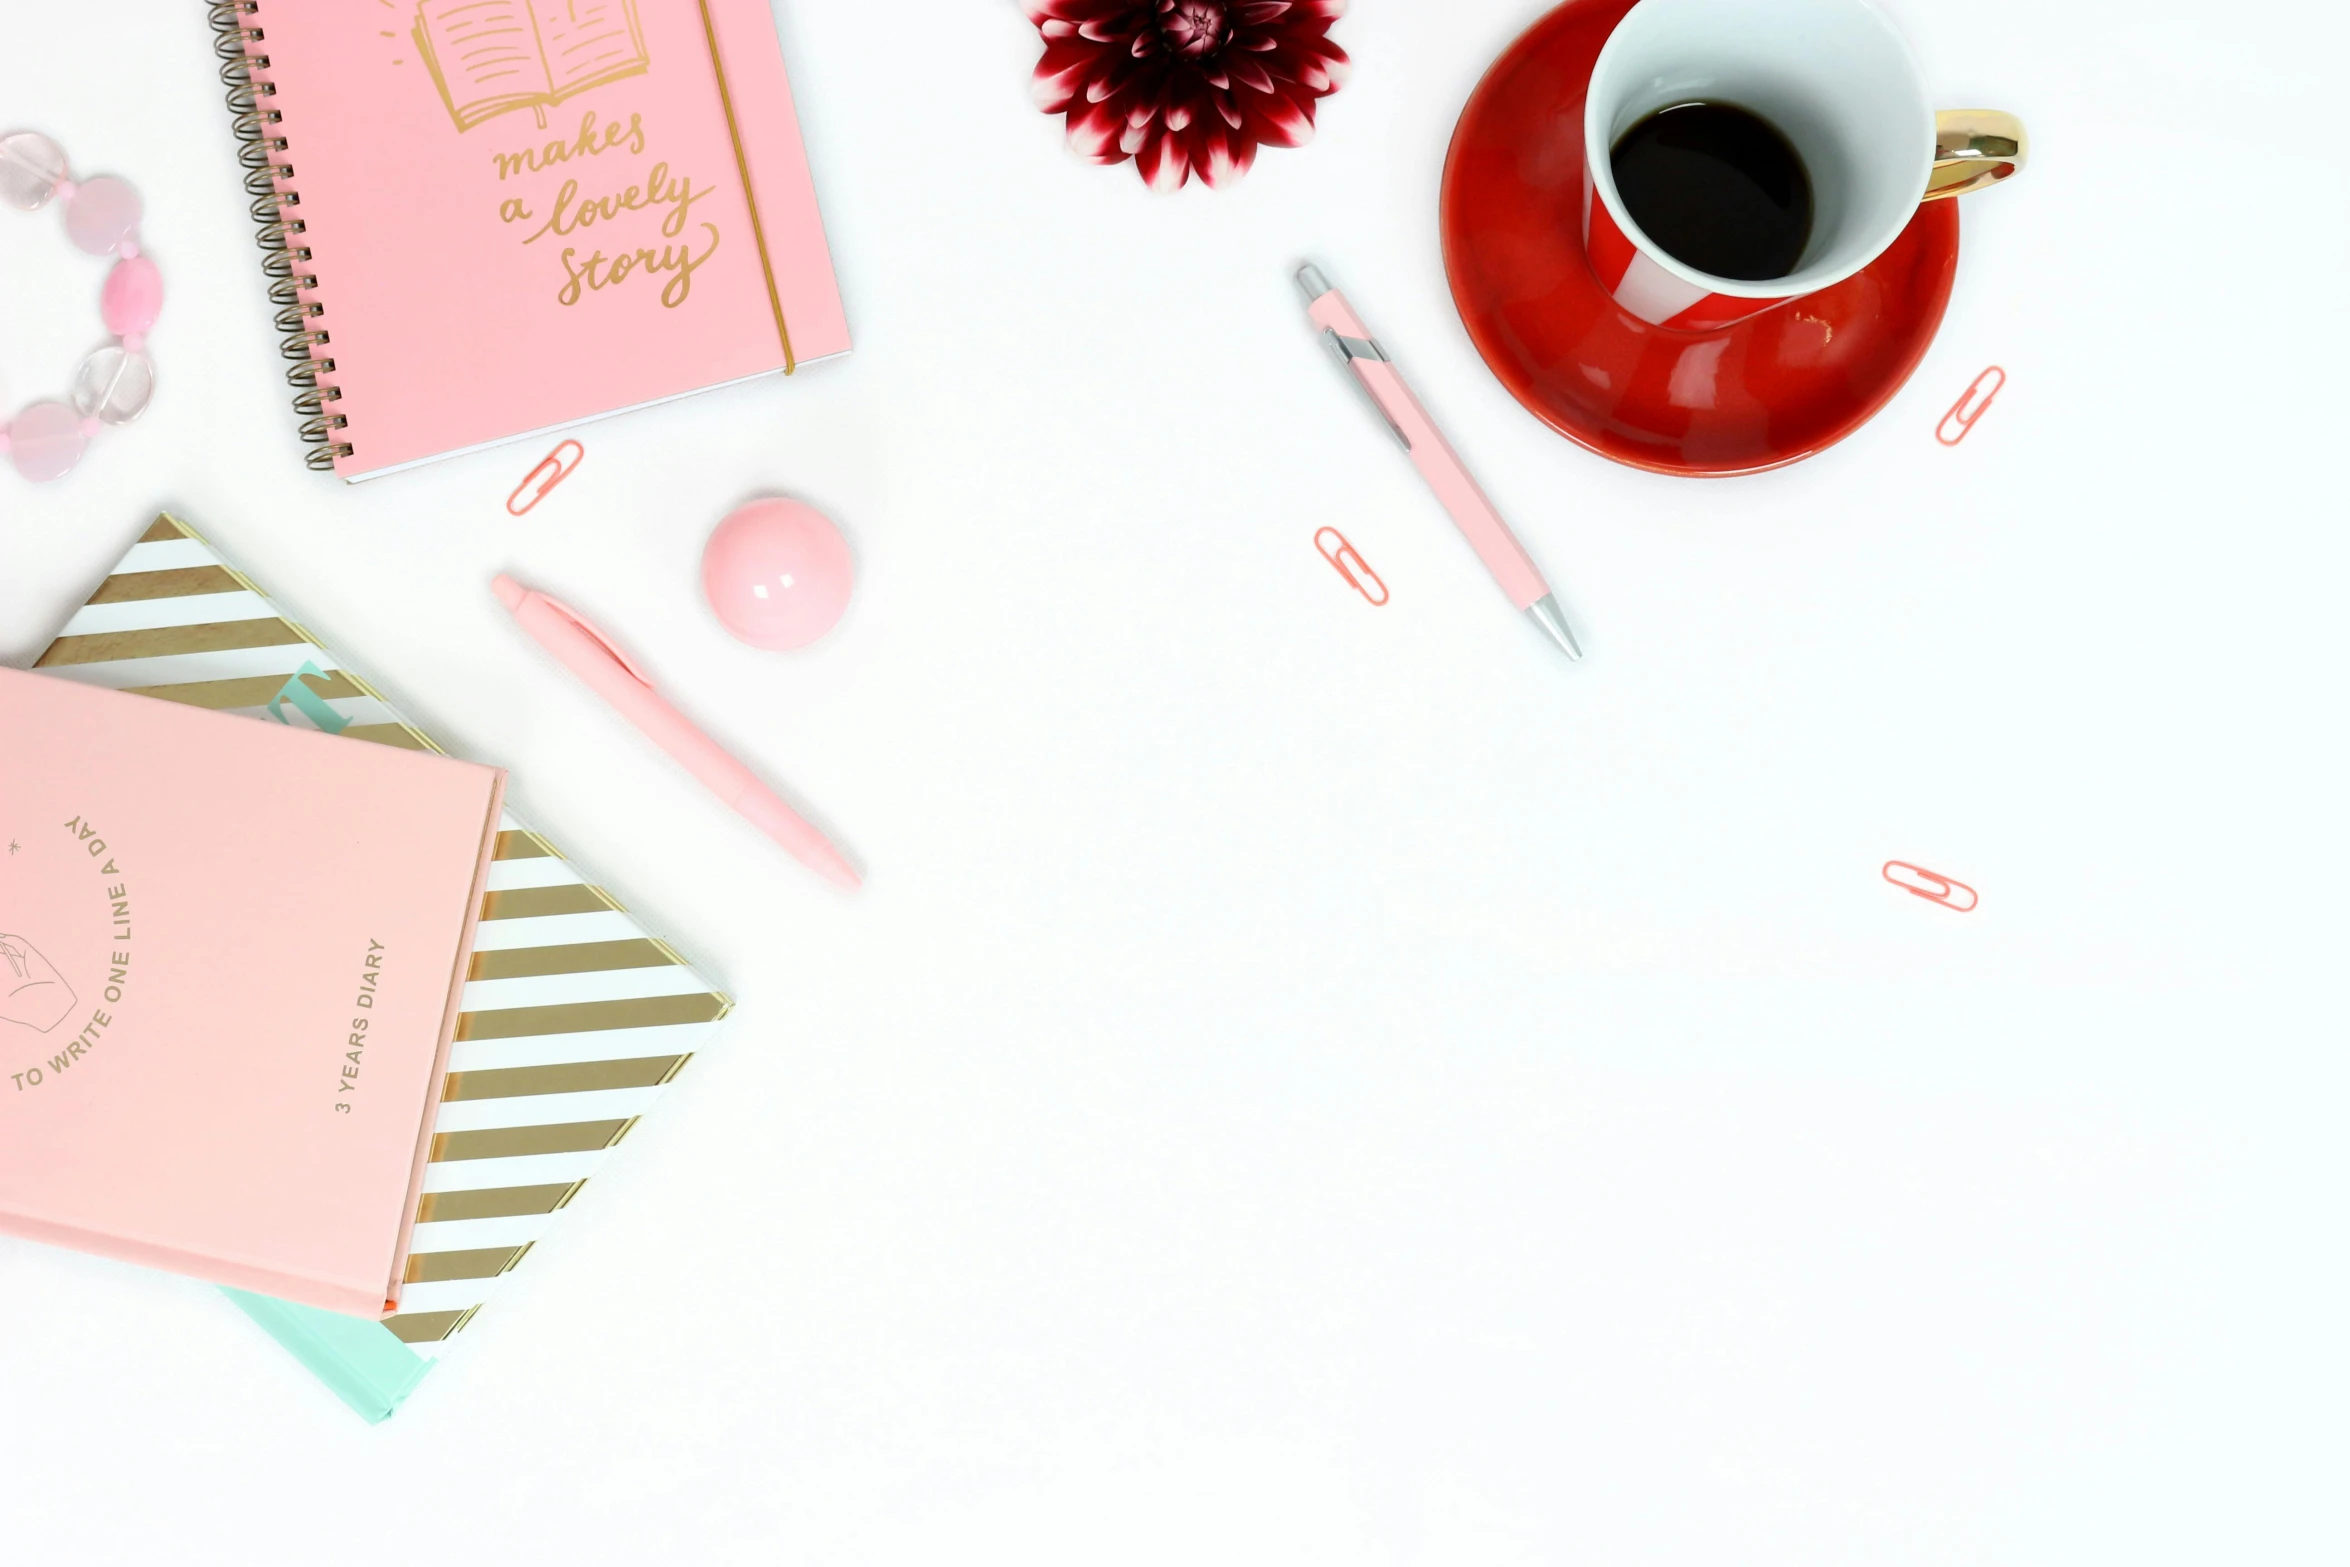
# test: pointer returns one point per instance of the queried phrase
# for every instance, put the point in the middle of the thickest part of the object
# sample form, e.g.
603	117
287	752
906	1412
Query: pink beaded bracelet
114	384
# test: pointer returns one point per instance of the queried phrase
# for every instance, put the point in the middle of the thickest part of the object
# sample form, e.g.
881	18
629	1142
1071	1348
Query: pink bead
101	214
46	441
133	296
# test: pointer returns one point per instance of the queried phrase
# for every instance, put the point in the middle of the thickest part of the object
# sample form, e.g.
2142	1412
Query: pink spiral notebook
488	219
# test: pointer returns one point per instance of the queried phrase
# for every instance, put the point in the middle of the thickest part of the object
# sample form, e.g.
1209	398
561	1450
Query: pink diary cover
523	213
230	955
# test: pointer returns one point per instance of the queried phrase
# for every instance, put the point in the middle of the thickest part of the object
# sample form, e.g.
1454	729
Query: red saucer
1769	391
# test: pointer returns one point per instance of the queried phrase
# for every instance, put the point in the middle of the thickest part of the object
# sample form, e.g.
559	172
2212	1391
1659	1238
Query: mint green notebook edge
365	1363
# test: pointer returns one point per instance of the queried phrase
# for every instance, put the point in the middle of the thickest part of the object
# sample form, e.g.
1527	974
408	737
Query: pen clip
606	643
1346	350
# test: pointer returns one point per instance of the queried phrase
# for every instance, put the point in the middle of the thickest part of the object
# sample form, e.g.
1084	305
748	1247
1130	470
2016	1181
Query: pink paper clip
552	470
1349	561
1971	405
1919	882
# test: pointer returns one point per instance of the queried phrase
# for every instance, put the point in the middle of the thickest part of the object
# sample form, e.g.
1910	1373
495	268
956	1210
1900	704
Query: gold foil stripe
136	587
569	1077
428	1327
515	1142
251	691
494	1202
398	735
438	1267
587	957
524	903
166	526
591	1017
110	647
514	844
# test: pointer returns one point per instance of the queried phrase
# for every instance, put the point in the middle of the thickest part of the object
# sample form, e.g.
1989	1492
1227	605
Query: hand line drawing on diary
491	57
31	989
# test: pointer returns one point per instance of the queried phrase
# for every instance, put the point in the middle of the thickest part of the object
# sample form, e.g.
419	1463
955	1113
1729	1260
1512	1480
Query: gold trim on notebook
566	1077
522	903
246	691
172	583
495	1202
590	1017
109	647
519	844
515	1142
586	957
428	1327
750	197
438	1267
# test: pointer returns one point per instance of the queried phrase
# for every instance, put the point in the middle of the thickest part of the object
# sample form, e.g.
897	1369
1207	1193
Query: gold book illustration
491	57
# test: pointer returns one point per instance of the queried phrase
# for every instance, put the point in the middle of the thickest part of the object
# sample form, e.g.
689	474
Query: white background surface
1315	1084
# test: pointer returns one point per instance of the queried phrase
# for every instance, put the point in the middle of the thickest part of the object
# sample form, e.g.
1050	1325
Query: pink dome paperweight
778	574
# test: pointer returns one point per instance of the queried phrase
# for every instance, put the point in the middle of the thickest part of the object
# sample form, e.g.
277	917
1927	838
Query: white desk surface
1315	1084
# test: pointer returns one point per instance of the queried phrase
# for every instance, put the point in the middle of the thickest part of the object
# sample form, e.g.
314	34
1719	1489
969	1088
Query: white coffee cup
1838	81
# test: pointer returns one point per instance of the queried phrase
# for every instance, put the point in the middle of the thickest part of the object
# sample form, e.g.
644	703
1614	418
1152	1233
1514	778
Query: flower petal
1061	75
1251	74
1225	158
1163	163
1094	133
1281	121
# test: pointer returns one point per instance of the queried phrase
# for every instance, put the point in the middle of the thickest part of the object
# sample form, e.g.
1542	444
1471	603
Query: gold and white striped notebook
574	1016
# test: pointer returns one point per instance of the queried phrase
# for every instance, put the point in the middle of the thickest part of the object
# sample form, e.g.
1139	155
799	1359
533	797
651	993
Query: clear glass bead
30	167
114	384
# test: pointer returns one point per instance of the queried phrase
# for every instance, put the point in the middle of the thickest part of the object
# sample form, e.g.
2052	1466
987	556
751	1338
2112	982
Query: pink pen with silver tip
1358	352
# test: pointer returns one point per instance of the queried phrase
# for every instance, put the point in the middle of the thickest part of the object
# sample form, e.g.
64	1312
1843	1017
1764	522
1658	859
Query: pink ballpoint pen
610	674
1351	343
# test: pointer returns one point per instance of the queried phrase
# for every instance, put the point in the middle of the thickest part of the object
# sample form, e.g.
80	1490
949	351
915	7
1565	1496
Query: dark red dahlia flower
1186	87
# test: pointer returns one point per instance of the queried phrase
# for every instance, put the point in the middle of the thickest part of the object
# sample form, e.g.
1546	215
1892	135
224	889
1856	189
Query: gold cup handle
1974	148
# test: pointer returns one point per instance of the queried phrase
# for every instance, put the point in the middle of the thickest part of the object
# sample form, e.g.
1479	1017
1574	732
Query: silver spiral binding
267	178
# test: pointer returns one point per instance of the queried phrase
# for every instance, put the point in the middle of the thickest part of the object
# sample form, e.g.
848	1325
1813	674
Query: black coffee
1719	188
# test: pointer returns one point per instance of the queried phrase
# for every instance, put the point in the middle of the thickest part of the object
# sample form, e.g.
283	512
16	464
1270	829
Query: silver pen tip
1311	282
1545	612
